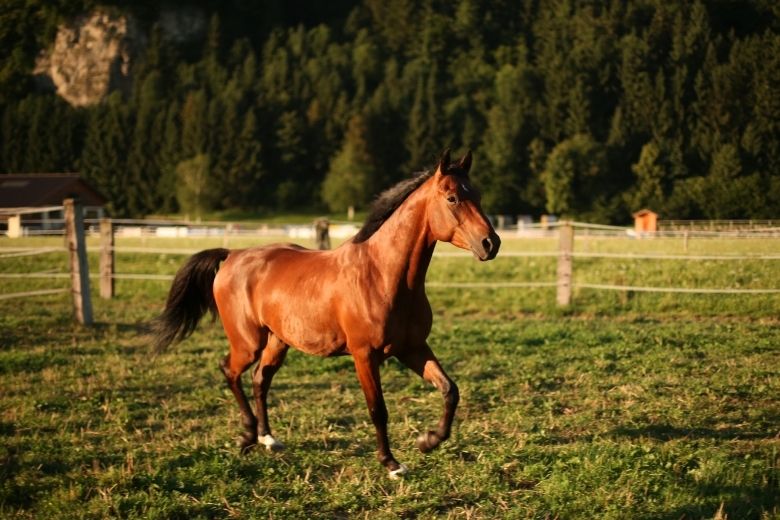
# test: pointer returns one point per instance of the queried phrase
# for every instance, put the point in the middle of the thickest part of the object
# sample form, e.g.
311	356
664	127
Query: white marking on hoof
424	444
398	473
270	443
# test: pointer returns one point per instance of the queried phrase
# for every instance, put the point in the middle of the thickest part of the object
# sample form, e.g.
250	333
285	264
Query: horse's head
454	212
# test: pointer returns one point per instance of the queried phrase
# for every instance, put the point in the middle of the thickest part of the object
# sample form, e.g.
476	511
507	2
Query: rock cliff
92	55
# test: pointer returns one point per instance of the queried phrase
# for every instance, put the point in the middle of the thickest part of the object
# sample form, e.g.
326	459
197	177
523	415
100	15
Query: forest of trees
575	107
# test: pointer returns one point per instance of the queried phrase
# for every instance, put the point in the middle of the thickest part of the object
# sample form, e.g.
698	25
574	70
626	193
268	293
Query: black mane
387	202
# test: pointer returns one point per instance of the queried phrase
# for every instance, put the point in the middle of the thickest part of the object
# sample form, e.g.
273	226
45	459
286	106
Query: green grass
621	407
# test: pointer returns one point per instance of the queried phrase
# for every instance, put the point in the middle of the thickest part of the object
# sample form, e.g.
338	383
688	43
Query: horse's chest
406	322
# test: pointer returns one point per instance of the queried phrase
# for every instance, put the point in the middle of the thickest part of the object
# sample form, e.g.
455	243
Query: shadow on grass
29	362
37	328
744	502
352	446
138	328
7	429
667	432
29	475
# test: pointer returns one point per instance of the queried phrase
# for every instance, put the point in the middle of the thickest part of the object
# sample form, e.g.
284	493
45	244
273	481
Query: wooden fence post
77	252
565	248
322	233
14	226
106	258
226	234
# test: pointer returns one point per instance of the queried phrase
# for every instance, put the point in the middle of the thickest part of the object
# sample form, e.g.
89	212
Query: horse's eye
452	199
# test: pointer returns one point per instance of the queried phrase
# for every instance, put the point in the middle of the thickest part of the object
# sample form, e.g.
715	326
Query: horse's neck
402	247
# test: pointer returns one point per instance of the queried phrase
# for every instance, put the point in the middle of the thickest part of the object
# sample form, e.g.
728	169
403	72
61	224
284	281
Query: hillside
591	111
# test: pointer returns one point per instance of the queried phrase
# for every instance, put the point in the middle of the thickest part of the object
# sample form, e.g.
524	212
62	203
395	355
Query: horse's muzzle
488	247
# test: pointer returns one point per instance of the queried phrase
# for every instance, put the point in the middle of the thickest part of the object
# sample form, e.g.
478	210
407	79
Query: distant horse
365	299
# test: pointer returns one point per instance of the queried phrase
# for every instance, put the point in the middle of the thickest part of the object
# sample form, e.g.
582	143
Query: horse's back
266	267
251	260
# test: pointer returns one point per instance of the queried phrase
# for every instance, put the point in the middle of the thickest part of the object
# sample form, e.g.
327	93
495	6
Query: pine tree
195	188
636	106
366	66
37	115
578	109
222	133
246	173
386	126
194	137
425	134
572	176
726	192
13	140
349	182
511	80
648	191
142	165
215	75
417	145
102	160
170	154
502	178
66	137
292	188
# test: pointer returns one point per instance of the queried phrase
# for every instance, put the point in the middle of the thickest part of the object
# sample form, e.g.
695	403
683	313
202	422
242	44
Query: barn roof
31	190
643	212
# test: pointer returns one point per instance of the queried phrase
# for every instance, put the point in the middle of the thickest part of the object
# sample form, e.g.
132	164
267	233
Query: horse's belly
305	329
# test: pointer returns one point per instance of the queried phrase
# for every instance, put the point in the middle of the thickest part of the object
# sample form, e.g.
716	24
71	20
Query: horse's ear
444	161
465	162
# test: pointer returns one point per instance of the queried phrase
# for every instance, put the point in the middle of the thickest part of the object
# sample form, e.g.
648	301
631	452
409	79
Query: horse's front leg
367	367
422	360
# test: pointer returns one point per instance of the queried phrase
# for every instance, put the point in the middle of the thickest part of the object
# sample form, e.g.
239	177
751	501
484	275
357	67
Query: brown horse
365	299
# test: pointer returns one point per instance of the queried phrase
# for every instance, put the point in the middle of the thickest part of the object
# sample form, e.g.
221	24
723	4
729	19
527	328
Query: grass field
624	406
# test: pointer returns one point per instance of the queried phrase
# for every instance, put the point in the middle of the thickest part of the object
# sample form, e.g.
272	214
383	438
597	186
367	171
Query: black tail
190	297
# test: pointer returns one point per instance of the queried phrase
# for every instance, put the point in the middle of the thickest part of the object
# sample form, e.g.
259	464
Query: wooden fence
564	283
719	225
75	246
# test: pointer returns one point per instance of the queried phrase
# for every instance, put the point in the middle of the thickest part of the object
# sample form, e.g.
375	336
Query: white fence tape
11	252
454	285
31	252
42	292
635	288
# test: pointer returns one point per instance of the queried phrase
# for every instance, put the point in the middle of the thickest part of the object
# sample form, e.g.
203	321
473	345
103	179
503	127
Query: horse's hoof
246	446
398	473
270	443
427	442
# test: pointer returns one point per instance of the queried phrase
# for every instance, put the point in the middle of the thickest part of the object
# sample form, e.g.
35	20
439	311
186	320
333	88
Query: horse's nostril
487	245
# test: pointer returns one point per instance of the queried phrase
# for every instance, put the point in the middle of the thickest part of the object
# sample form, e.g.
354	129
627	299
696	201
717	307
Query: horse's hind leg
422	361
244	350
270	361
